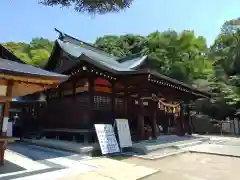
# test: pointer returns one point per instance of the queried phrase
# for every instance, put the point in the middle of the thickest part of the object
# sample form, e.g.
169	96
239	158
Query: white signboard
107	139
124	134
5	124
10	129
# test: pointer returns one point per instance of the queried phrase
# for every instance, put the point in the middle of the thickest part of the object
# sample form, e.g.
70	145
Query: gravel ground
191	166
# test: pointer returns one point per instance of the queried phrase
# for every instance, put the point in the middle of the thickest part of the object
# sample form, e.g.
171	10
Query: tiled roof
81	51
7	66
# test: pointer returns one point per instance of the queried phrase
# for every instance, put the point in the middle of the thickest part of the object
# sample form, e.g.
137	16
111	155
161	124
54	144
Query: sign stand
115	127
123	134
107	139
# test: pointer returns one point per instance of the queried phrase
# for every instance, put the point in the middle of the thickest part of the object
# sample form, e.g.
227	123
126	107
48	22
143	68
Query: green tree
180	55
35	53
91	6
39	57
226	54
121	46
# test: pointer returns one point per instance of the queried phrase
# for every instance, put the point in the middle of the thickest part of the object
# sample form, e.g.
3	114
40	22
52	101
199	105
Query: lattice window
82	101
102	102
119	105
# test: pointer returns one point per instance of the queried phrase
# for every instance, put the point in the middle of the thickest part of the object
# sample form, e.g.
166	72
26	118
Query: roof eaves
127	58
66	37
139	62
203	93
7	66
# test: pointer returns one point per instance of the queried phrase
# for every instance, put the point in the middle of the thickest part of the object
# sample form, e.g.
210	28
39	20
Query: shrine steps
79	148
167	142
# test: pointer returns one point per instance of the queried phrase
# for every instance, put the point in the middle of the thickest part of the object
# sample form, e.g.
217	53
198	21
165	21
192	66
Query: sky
22	20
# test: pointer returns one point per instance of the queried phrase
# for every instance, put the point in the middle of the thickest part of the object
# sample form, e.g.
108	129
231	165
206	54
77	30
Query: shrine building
103	87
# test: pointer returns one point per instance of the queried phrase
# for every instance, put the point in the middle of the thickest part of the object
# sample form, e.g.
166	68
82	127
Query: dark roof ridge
63	36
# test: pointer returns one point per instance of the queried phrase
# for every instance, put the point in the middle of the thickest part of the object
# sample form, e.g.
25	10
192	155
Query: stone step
184	145
145	148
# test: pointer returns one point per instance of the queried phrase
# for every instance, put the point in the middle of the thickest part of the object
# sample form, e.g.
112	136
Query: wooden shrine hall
103	87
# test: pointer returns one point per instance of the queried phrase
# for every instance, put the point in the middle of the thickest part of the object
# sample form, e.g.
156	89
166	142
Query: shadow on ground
120	157
36	153
25	174
10	167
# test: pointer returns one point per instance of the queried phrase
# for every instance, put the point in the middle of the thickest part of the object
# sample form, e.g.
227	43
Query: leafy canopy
35	53
91	6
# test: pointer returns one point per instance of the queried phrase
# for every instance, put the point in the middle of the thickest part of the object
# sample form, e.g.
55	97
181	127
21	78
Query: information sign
107	139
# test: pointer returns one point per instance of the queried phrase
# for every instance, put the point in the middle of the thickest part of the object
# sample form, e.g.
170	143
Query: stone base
167	141
88	149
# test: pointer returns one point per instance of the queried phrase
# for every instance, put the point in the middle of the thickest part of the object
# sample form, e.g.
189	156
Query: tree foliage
35	53
91	6
182	56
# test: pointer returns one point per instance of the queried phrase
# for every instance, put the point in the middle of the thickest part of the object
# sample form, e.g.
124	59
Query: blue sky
21	20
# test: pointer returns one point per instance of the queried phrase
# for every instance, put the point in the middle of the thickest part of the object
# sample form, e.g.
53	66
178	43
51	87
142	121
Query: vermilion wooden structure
17	79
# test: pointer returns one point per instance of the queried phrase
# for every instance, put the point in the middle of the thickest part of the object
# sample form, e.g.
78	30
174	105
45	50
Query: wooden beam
4	121
134	79
3	82
27	79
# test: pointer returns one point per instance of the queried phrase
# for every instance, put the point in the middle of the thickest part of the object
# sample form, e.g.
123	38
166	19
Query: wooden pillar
60	92
234	127
140	128
91	99
113	96
6	108
189	121
180	122
125	99
74	88
154	121
186	120
182	117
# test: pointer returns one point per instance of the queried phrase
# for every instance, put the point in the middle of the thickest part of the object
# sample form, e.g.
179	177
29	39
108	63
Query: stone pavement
224	150
226	147
191	166
113	169
161	153
39	162
26	162
219	145
102	168
23	160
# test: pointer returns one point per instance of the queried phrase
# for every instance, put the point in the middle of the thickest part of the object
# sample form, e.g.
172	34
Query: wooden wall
68	110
